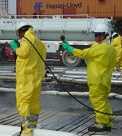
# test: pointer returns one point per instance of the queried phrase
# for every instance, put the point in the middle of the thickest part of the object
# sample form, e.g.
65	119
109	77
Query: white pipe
50	92
7	77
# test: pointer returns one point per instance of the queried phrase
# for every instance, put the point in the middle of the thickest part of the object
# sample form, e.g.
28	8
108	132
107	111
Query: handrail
46	16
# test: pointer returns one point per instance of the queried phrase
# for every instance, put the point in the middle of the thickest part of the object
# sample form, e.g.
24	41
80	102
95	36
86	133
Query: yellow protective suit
30	71
117	43
101	59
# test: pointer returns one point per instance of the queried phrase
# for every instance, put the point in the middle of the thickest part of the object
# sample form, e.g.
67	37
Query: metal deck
74	78
59	121
60	113
13	131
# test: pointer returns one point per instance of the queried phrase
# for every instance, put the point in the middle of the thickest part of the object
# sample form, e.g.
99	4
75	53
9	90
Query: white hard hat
114	33
100	29
21	24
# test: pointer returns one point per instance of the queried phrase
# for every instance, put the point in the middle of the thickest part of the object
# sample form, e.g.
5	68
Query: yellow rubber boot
27	132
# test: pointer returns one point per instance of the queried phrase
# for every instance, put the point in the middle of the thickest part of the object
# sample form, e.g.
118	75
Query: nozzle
62	38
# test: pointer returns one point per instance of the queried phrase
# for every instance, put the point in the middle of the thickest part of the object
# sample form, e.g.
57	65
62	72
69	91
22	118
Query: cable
58	81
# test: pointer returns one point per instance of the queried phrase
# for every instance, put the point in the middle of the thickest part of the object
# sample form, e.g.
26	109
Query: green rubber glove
67	47
14	44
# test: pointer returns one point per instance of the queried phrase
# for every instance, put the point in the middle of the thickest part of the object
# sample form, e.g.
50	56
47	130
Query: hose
58	81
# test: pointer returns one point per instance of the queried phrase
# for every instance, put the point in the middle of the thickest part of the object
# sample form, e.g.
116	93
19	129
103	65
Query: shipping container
8	7
3	7
101	8
49	7
92	8
95	8
12	7
118	9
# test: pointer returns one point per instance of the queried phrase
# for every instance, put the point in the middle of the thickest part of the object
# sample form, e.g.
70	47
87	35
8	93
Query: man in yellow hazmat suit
30	71
117	44
100	59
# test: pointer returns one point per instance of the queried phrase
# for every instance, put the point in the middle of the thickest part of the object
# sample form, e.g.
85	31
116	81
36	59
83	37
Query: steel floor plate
60	113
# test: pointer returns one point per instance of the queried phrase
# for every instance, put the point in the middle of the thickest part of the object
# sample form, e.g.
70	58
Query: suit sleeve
89	53
24	50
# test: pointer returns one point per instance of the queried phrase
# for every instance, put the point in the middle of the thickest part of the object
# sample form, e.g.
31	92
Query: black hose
58	81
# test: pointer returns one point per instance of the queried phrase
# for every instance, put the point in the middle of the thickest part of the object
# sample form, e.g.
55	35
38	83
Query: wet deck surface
60	113
7	79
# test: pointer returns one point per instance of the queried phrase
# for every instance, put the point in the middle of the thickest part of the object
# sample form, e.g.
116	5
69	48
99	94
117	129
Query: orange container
95	8
118	9
49	7
101	8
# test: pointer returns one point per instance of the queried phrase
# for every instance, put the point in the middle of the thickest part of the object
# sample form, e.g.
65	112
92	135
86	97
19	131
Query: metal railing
46	16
